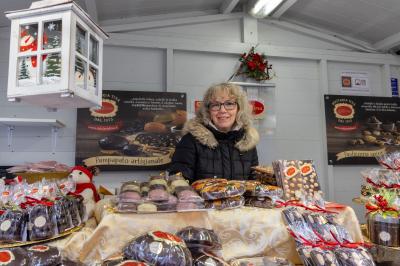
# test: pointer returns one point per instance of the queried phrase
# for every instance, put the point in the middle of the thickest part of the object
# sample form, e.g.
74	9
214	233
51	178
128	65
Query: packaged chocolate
226	203
187	194
384	231
259	202
305	254
265	175
169	205
204	258
14	257
309	176
129	196
147	207
196	237
158	193
130	186
354	257
323	257
76	209
390	160
43	255
293	215
63	216
159	182
200	184
256	189
41	222
223	190
320	225
144	189
159	248
127	206
13	225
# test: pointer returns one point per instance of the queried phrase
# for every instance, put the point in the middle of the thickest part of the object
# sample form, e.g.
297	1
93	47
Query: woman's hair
243	116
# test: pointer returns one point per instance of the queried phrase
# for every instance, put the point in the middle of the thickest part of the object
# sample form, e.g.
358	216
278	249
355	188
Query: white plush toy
83	177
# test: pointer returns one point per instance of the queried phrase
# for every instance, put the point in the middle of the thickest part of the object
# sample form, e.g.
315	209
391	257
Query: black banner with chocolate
359	128
132	130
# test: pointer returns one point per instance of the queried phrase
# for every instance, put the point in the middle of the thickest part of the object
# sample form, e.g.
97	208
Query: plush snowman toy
83	177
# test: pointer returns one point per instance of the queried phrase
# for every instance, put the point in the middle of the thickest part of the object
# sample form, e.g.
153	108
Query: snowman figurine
83	177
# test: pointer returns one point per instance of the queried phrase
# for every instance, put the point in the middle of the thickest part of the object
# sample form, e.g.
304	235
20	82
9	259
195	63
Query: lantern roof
51	6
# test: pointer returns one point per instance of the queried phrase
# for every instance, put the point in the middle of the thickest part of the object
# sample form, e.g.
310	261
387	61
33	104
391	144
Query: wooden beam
171	22
180	44
388	43
91	8
227	6
283	8
129	20
320	35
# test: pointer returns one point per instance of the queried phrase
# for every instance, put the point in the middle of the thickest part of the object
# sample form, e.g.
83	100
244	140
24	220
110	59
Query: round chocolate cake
159	248
14	257
196	237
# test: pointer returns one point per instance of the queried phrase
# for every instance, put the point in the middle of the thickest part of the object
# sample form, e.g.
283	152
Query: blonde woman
220	141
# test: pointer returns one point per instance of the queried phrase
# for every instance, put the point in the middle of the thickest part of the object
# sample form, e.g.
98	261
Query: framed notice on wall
132	130
359	128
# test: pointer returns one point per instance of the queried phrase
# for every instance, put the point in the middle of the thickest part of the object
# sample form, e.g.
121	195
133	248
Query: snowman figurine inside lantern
55	56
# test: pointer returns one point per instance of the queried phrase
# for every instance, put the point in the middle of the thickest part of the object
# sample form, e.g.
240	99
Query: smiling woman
221	140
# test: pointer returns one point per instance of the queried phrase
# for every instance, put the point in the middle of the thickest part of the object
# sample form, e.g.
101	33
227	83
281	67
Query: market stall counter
244	232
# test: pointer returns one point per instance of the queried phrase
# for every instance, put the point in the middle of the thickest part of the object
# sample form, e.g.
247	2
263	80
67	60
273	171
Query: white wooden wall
189	59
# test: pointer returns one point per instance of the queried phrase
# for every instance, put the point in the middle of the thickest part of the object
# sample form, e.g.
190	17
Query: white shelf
13	122
30	122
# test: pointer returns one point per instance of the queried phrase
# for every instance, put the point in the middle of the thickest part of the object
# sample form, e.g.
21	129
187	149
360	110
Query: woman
220	141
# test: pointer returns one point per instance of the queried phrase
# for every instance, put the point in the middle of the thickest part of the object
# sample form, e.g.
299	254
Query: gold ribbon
125	160
356	153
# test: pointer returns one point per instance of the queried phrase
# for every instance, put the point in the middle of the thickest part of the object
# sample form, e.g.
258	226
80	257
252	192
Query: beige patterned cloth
245	232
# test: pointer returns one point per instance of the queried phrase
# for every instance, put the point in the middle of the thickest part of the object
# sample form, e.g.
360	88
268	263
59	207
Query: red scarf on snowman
80	187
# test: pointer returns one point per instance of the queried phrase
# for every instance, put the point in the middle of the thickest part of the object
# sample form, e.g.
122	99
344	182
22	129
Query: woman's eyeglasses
228	105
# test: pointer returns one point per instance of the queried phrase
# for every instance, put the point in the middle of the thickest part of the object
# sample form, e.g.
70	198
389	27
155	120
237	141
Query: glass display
80	72
26	72
28	37
92	79
94	50
51	68
52	34
80	43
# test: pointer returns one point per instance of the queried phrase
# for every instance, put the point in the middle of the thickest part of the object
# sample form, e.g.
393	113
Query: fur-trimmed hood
206	137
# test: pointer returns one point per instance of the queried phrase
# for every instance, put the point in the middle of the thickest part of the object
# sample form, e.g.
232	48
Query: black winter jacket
205	152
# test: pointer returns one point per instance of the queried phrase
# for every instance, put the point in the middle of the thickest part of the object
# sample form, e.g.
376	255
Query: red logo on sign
106	107
257	107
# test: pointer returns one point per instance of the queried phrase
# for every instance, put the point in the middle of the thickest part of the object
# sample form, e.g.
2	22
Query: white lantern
56	56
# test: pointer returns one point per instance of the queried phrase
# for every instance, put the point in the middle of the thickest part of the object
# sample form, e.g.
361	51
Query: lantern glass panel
27	71
28	35
81	43
51	68
94	50
80	72
52	34
92	80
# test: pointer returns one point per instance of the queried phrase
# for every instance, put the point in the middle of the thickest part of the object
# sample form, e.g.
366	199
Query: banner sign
132	130
359	128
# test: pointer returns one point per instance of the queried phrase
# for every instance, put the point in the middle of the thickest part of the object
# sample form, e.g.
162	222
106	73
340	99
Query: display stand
11	123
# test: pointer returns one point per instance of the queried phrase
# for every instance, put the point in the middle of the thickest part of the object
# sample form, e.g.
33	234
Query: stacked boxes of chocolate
298	179
321	241
220	193
260	195
265	174
160	193
380	192
37	211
